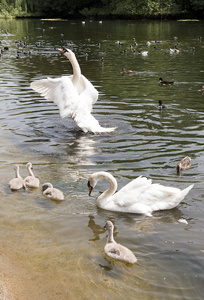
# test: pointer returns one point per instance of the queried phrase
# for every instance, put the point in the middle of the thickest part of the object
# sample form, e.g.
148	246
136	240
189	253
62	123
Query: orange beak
90	190
61	50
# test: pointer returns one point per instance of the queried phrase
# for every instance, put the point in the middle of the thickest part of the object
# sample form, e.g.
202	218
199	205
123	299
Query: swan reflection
81	149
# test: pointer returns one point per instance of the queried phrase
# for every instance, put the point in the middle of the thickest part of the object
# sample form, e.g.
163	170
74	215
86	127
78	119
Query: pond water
55	250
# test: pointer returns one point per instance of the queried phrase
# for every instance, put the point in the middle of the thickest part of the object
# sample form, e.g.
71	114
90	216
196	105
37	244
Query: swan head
46	185
67	52
29	165
16	168
109	225
92	181
178	168
64	50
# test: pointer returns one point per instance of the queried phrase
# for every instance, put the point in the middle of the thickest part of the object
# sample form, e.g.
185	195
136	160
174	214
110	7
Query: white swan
139	196
31	181
16	183
115	250
52	193
74	96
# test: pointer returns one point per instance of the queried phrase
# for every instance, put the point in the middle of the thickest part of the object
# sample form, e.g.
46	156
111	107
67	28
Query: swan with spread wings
73	94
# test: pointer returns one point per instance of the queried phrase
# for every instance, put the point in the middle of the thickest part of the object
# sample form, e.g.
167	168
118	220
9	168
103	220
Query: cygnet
115	250
16	183
52	193
31	181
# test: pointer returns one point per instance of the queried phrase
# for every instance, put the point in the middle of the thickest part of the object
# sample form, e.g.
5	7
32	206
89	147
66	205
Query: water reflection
96	229
81	149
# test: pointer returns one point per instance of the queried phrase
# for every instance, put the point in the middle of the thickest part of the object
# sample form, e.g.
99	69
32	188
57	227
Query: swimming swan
52	193
115	250
139	196
74	96
16	183
31	181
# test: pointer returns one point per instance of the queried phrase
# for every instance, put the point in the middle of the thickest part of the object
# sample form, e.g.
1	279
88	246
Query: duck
161	105
31	181
124	71
115	250
74	96
17	183
165	81
183	164
140	196
52	193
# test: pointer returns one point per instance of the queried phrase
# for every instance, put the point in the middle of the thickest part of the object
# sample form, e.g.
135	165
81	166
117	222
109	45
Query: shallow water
55	250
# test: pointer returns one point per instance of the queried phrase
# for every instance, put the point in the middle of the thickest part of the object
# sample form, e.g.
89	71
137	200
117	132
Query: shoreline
136	17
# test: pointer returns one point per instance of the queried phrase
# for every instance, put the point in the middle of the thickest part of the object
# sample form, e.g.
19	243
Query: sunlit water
52	250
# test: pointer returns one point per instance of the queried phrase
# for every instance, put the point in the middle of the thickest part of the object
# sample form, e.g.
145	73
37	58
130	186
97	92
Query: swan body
115	250
52	193
139	196
16	183
74	96
31	181
183	164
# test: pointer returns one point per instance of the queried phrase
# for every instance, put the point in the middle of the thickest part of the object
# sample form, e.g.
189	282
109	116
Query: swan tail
187	190
87	122
174	198
183	194
105	129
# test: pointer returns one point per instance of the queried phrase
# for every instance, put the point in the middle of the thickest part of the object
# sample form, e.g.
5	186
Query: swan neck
30	172
17	173
178	167
112	185
110	238
76	68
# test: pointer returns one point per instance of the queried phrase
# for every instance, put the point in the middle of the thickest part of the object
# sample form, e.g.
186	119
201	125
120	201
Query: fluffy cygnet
31	181
52	193
16	183
115	250
183	164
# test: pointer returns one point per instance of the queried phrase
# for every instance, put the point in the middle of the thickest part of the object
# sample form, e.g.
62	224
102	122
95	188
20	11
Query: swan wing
132	192
142	196
85	87
136	183
61	91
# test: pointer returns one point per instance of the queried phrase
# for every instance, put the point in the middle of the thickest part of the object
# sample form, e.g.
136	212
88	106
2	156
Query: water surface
55	250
